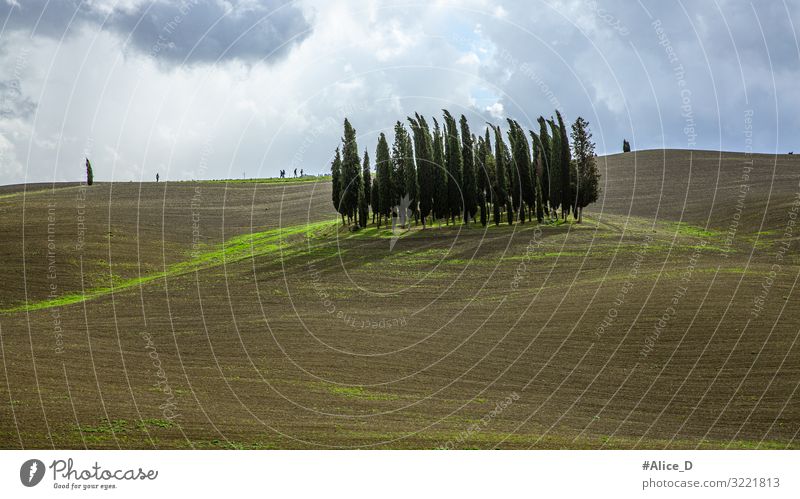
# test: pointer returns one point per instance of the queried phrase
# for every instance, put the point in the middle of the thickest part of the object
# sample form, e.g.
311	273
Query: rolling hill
242	315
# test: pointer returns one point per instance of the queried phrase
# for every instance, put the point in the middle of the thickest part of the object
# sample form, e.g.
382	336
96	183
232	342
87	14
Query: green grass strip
235	249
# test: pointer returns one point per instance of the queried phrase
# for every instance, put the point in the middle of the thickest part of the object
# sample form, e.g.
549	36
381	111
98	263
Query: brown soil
457	337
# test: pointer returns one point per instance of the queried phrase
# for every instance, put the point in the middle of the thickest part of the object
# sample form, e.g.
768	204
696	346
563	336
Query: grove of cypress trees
566	170
336	181
450	173
383	173
351	169
626	146
470	186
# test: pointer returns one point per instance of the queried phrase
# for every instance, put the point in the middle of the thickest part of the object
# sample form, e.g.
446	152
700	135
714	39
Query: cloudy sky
225	88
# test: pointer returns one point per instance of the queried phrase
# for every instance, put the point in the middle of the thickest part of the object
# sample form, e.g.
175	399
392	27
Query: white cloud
469	59
500	12
495	110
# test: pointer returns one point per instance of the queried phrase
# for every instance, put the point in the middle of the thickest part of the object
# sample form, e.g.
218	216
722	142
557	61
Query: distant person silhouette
156	177
295	172
301	172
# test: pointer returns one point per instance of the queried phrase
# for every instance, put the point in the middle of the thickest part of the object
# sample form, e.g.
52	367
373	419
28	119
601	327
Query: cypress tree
336	181
351	171
398	164
555	168
507	162
626	146
439	174
364	201
454	167
587	178
410	180
491	176
383	173
544	153
468	164
89	174
501	197
481	177
515	190
536	176
423	155
491	163
566	170
366	174
363	206
522	160
373	198
539	203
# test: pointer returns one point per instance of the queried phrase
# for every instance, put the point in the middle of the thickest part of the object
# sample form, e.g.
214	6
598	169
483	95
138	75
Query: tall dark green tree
470	187
490	169
374	196
566	170
507	163
544	154
89	173
452	152
366	192
587	178
399	164
351	171
555	168
410	177
515	188
501	198
383	173
521	154
481	178
336	181
626	146
423	154
362	211
439	174
536	175
366	174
